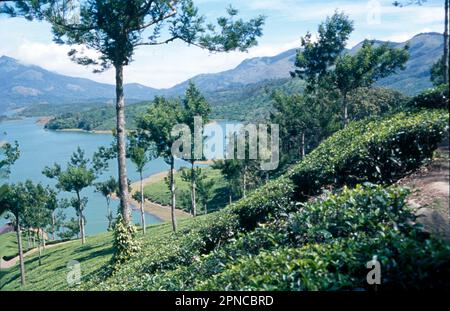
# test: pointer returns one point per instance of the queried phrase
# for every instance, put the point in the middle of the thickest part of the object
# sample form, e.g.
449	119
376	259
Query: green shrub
367	209
376	151
125	244
264	237
435	98
380	151
406	263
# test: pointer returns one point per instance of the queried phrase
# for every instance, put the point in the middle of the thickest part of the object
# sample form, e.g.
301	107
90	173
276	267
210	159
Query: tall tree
9	155
140	153
205	190
157	124
232	172
107	188
115	28
77	176
317	55
363	69
298	120
446	43
195	105
14	200
324	64
39	204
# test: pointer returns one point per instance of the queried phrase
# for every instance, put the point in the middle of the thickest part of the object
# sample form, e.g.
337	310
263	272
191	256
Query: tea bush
367	209
380	151
407	262
435	98
368	214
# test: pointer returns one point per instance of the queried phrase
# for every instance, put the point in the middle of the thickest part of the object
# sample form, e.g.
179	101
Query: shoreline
157	210
46	119
101	132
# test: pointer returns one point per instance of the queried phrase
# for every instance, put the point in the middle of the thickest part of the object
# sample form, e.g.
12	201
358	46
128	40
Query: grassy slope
8	245
95	254
159	192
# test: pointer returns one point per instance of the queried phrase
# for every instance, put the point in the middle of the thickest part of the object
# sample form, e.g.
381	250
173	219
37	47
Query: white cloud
160	67
54	57
168	65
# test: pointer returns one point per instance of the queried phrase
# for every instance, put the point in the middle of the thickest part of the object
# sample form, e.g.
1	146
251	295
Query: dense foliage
275	199
102	118
435	98
381	151
125	244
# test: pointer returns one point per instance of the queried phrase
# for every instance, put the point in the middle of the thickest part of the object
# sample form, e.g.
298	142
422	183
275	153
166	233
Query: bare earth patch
160	211
430	194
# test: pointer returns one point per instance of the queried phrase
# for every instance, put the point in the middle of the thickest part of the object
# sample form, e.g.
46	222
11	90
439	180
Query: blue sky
287	21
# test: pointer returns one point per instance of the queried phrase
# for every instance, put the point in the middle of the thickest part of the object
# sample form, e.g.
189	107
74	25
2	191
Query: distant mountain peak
432	33
4	58
22	85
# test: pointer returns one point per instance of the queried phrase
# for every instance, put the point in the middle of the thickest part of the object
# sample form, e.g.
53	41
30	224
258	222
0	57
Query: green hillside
276	237
158	192
252	102
8	245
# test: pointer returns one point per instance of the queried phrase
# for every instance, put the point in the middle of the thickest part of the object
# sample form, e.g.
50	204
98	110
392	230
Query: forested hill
24	85
425	50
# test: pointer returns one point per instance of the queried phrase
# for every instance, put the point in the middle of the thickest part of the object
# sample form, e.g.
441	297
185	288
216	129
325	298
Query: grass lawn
159	192
95	254
8	245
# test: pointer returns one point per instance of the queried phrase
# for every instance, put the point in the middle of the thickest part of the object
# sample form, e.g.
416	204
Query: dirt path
430	194
160	211
10	263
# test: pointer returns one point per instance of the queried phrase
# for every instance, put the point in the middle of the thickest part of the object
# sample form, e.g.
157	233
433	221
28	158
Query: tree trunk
28	240
53	227
303	145
43	239
172	191
446	44
245	182
19	244
39	246
108	212
83	236
121	152
142	204
81	219
193	191
229	197
344	99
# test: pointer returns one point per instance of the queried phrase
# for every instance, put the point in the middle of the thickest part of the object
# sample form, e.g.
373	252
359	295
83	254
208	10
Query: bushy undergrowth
378	151
336	237
435	98
125	243
381	151
407	262
199	237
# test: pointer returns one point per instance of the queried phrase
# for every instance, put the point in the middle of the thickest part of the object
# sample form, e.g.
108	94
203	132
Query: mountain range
26	85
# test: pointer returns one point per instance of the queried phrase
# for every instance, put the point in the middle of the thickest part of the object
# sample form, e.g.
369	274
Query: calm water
40	148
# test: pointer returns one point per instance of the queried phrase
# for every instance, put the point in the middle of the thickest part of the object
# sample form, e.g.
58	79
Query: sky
286	21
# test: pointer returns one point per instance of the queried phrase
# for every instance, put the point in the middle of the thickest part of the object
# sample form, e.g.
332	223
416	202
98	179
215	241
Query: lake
40	148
